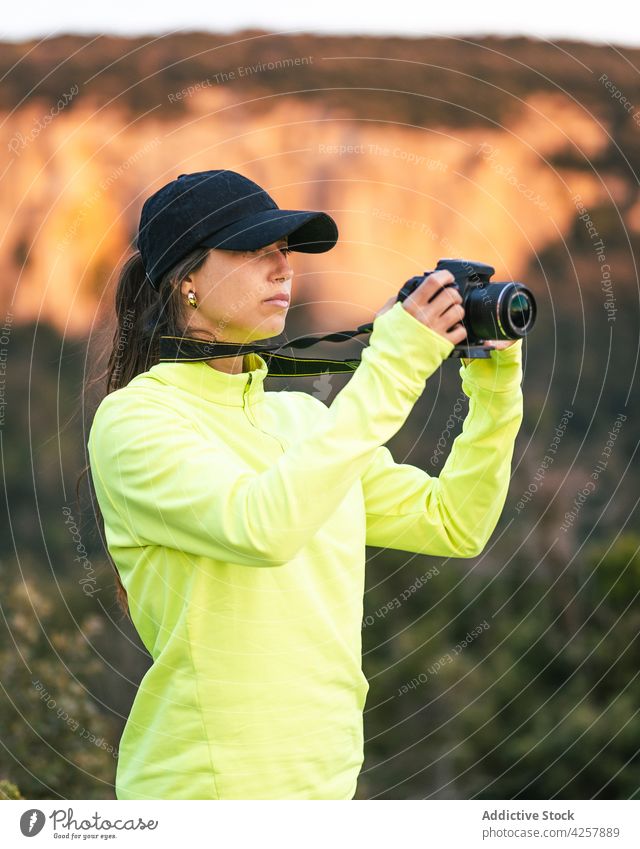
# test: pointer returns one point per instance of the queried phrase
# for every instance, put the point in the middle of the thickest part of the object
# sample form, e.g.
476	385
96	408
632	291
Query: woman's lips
278	302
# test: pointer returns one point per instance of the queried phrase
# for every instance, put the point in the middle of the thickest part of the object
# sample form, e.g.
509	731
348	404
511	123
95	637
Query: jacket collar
202	380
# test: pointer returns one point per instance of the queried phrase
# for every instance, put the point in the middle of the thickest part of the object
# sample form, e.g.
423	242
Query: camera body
505	310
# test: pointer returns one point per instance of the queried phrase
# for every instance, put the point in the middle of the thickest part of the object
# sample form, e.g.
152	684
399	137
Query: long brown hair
142	316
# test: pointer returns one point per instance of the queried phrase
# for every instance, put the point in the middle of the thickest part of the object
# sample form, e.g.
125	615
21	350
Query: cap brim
308	231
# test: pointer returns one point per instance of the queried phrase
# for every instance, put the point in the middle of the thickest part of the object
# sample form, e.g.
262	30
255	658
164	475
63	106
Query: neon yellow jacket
238	520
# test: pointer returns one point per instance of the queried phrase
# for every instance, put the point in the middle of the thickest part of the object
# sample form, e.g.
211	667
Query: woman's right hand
438	305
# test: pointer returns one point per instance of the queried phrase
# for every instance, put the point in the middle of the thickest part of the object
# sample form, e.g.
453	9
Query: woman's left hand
498	344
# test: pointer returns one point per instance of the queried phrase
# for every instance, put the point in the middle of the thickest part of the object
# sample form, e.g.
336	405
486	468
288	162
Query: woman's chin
278	320
270	327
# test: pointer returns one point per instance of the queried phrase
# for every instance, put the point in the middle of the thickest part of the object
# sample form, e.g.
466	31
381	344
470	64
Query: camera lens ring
515	290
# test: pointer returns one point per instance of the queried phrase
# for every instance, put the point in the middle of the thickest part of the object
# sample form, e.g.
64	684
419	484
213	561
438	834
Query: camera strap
189	349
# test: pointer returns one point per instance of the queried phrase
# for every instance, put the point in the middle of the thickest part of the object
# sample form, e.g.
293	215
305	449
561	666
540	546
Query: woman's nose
283	269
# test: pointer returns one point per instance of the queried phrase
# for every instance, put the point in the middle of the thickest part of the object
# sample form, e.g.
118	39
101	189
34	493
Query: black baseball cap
222	209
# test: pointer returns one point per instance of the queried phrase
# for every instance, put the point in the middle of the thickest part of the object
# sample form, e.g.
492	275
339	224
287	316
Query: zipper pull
246	387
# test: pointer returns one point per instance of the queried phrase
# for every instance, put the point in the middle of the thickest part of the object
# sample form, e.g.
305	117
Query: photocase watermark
408	156
409	223
125	328
62	820
490	154
406	594
117	172
71	723
443	439
590	487
93	827
445	243
111	178
240	72
445	659
606	283
249	296
5	334
89	580
549	457
322	386
18	141
617	94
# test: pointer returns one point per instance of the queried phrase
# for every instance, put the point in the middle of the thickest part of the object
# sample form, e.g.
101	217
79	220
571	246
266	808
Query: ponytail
142	316
135	301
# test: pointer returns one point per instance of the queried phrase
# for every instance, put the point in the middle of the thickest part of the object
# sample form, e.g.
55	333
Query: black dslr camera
491	310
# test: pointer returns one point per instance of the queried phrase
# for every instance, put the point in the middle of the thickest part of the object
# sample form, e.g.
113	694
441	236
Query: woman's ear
186	284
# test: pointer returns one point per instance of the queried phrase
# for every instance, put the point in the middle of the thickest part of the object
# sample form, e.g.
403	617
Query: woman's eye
263	252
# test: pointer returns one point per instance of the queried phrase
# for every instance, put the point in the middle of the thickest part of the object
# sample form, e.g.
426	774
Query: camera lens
499	311
519	312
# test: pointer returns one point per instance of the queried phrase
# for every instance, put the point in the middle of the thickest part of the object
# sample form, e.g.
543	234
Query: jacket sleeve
455	513
159	482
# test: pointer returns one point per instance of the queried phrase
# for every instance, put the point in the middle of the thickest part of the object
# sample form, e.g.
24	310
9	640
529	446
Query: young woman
237	518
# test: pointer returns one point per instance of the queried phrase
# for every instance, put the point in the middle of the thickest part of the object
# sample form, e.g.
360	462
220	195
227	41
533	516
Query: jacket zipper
249	414
245	406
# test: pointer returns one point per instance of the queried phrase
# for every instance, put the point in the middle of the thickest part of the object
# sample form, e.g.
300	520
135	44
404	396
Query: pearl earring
191	297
